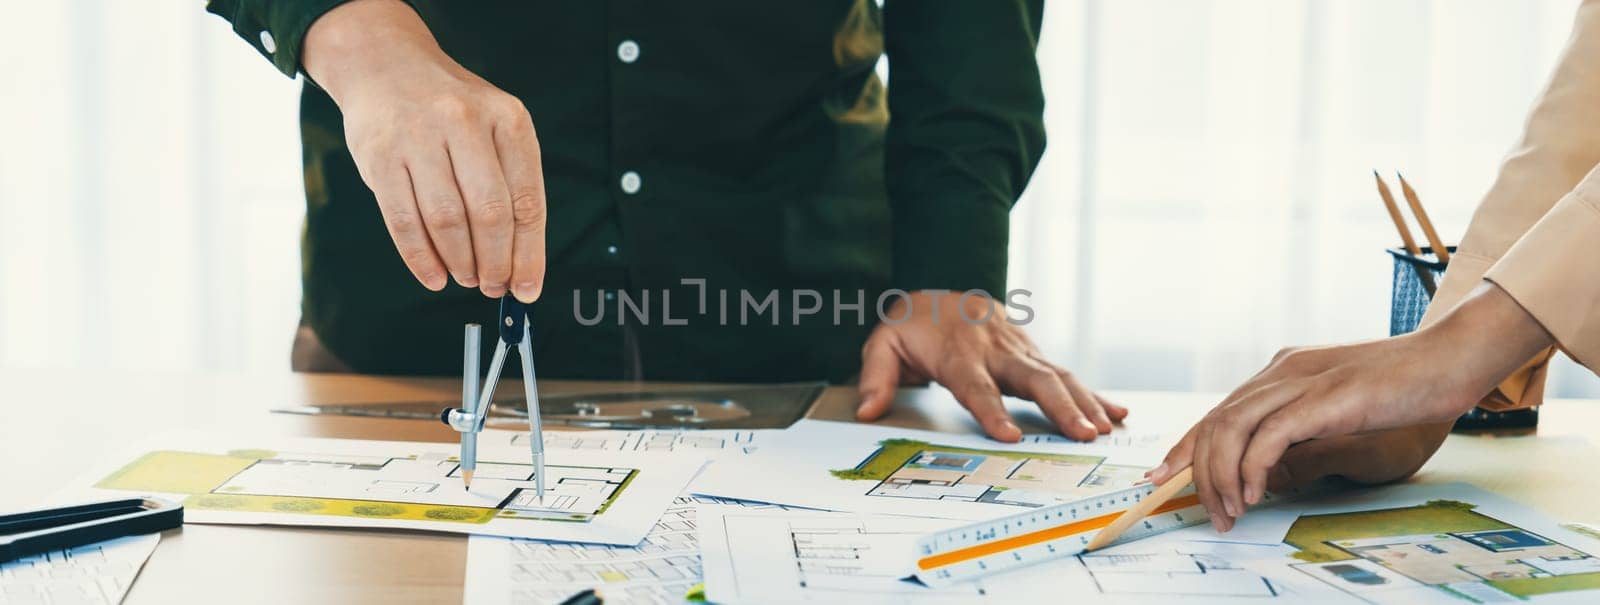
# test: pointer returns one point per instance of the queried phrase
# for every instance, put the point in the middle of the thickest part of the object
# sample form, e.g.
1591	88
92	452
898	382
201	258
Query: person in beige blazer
1525	280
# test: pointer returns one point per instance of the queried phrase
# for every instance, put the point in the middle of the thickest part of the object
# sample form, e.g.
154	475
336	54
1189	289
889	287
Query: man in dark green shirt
715	191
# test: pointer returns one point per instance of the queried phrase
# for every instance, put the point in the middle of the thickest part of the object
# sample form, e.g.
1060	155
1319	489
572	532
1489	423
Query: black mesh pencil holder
1415	280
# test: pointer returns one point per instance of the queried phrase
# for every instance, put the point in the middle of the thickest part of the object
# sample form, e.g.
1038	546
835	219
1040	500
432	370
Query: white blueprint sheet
659	570
877	469
1447	544
754	556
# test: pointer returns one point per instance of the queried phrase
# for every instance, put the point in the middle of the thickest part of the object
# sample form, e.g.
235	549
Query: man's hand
453	161
1329	410
968	346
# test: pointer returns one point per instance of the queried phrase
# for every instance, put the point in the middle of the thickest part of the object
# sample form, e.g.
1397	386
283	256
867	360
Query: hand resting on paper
1372	411
978	355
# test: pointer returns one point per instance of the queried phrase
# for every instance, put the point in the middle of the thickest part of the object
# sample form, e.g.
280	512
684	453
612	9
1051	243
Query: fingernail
1216	521
1009	431
466	282
526	291
494	290
1233	509
1158	473
1252	495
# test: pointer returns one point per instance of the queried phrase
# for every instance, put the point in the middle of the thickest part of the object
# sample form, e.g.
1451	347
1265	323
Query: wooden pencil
1395	215
1400	226
1141	510
1439	250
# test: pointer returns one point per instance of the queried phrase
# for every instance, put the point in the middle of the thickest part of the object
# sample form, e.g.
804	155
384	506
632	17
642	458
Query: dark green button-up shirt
746	143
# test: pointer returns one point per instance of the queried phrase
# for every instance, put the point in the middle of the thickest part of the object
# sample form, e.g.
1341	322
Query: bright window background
1206	197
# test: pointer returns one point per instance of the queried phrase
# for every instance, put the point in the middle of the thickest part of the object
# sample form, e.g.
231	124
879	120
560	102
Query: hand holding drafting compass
469	418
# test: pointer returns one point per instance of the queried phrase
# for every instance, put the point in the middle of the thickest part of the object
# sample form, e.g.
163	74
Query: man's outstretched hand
454	161
968	346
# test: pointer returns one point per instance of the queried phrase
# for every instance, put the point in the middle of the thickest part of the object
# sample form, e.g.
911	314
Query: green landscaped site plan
1447	545
1311	532
894	453
913	469
401	487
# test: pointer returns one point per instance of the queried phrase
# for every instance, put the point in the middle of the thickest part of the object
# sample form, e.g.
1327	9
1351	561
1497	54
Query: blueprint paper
711	443
659	570
95	573
776	557
1450	543
874	469
601	497
1447	544
1195	572
754	556
1262	525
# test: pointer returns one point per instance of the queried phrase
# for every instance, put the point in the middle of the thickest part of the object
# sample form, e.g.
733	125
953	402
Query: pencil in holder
1416	277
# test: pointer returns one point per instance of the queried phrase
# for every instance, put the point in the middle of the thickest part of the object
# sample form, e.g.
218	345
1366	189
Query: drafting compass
469	418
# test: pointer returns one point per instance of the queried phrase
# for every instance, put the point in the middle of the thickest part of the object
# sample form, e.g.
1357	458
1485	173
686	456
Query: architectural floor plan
754	556
605	497
1174	574
741	441
659	570
427	486
908	468
865	468
1441	547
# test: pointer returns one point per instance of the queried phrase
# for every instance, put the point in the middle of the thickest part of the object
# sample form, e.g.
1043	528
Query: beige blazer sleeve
1537	231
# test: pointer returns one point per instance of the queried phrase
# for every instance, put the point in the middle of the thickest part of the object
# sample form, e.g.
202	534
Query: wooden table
59	425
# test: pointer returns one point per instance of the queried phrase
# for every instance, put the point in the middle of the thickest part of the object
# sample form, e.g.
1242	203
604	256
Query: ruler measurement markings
972	551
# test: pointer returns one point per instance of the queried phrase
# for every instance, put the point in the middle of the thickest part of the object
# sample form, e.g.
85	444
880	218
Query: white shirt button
611	249
628	51
631	182
267	43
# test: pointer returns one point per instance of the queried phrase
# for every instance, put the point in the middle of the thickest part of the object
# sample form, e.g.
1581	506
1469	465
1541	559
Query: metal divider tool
474	411
1037	535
